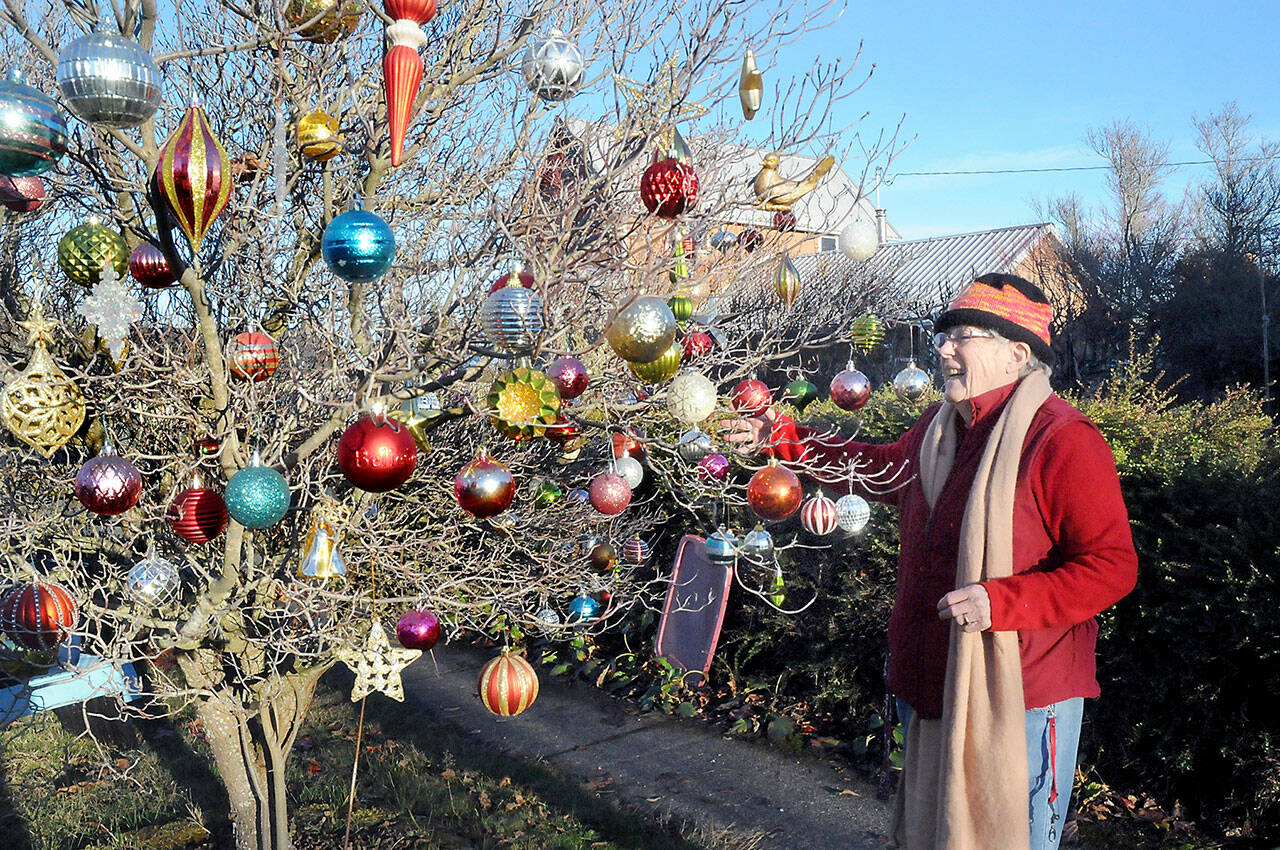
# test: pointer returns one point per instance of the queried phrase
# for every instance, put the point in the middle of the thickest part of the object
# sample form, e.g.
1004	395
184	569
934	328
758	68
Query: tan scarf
964	785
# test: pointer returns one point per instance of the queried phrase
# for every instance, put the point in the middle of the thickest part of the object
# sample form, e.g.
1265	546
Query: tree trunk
251	748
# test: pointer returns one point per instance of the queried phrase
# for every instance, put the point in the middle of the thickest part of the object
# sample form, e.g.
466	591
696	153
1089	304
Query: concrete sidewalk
659	764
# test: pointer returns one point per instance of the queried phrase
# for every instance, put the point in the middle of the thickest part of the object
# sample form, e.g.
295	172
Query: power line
1061	169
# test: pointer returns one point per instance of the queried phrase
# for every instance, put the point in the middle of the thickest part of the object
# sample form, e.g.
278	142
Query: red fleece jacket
1073	552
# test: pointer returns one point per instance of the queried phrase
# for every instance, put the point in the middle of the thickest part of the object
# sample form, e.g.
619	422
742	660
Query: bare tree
249	637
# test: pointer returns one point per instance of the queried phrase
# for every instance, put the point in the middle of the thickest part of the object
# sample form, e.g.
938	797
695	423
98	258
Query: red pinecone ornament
669	187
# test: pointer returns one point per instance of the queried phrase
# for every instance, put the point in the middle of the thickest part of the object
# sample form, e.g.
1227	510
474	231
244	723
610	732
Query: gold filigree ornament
42	406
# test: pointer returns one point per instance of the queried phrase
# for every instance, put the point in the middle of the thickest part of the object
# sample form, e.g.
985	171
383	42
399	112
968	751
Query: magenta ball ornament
108	484
569	376
418	630
610	493
713	467
850	389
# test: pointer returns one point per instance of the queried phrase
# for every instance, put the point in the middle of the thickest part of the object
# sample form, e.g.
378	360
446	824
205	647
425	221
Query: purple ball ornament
108	484
418	630
569	376
713	467
850	389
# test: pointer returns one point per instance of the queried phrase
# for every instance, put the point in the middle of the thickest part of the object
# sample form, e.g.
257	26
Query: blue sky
990	85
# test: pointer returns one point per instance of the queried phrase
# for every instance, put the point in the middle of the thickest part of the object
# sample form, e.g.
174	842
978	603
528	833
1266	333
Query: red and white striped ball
39	615
818	515
635	551
253	356
508	685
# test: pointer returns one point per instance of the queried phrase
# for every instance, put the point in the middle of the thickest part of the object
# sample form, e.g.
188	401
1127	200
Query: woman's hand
748	434
970	607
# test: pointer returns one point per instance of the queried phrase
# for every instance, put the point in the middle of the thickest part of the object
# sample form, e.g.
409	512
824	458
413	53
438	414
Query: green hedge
1189	663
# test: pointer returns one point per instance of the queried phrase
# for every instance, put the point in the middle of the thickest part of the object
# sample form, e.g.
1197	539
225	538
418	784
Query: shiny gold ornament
750	86
786	280
42	406
642	329
338	19
773	192
318	138
867	332
84	249
660	370
523	402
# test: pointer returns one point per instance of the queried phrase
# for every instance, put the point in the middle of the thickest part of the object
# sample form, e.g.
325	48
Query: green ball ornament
547	494
660	370
257	496
801	392
84	250
681	307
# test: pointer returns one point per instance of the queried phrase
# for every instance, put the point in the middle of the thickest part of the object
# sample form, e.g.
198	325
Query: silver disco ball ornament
852	513
694	445
108	79
723	241
153	581
512	319
553	66
630	469
911	383
757	546
548	617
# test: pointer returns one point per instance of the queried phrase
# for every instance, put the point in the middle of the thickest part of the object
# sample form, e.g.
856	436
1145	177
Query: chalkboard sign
694	610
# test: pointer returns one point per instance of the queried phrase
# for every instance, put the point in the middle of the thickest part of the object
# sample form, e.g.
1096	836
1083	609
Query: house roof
726	171
927	274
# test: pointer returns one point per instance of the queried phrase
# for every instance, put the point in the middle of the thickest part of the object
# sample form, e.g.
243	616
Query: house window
827	243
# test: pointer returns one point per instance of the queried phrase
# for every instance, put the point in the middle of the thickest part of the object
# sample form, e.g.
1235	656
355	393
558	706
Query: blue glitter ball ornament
257	496
33	133
358	246
583	609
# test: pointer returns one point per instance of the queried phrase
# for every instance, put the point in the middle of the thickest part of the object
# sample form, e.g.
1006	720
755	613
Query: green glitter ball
257	497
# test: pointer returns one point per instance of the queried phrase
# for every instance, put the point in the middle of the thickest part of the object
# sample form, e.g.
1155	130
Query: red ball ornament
38	616
108	485
563	430
149	267
752	397
695	344
850	389
418	630
484	487
627	444
377	454
524	278
253	356
750	239
508	685
610	493
784	221
569	376
668	187
21	194
774	492
198	515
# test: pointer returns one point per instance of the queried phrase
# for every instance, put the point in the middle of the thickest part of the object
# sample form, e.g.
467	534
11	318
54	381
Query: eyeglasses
959	337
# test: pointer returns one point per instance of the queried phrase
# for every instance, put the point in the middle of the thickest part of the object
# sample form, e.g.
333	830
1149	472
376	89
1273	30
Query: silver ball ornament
512	319
757	546
694	445
153	581
552	66
912	383
630	469
852	513
859	239
109	79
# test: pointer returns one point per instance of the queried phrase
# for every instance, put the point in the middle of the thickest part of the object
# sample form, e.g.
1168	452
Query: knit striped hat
1007	304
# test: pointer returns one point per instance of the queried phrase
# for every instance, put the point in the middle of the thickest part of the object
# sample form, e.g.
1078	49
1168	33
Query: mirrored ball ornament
852	513
850	389
757	546
912	383
552	66
33	133
642	329
358	246
153	581
548	617
108	79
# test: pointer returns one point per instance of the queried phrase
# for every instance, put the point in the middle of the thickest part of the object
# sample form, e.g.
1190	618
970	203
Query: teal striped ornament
33	133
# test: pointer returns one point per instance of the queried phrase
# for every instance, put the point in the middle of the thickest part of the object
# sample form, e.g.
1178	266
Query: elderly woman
1014	536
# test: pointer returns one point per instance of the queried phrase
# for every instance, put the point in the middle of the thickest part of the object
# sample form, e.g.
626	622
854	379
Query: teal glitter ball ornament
33	132
257	496
358	245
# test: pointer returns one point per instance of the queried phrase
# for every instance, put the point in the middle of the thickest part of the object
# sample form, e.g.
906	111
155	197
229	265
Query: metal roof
928	273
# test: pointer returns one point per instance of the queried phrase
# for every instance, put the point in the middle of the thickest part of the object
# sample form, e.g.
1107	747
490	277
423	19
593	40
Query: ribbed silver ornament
553	66
512	319
108	79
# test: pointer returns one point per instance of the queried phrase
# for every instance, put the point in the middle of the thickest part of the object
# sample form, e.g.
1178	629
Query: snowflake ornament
112	308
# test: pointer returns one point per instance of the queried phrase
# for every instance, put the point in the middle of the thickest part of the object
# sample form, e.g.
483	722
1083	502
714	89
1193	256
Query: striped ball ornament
198	515
508	685
39	615
253	356
635	551
818	515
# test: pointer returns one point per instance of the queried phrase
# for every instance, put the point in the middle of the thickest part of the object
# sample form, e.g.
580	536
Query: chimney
882	227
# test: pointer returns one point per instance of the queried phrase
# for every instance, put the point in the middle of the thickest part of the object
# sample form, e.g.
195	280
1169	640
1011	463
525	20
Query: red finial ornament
192	175
402	66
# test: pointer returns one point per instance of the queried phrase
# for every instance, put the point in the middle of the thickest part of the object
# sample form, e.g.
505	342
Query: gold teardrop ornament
42	406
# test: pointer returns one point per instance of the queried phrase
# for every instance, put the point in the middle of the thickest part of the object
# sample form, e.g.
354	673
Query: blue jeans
1046	820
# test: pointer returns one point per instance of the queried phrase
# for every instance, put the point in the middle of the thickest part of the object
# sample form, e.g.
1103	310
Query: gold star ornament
377	665
659	105
42	406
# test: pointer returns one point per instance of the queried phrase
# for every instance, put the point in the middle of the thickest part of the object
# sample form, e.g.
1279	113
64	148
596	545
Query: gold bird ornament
774	192
750	86
42	406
